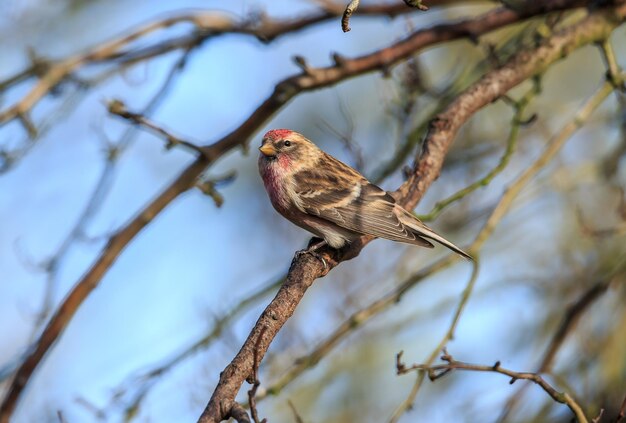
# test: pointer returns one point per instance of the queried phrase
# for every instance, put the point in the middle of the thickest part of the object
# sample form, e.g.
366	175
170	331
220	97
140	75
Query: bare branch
417	4
296	415
255	385
438	371
354	4
9	158
118	108
467	292
51	264
239	414
570	318
355	321
598	418
100	191
345	19
366	313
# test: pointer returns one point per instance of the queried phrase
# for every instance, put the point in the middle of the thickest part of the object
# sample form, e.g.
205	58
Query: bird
331	200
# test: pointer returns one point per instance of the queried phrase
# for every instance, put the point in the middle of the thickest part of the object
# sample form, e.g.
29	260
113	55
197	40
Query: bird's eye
287	143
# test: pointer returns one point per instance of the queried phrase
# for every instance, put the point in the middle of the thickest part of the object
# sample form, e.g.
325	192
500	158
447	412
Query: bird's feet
312	253
314	245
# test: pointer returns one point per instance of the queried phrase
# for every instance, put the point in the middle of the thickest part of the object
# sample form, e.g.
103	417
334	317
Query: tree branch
118	108
438	371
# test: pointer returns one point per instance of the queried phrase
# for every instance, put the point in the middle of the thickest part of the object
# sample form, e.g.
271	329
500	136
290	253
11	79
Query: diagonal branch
357	319
118	108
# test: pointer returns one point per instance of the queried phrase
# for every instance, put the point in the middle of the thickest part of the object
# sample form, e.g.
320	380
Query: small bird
330	199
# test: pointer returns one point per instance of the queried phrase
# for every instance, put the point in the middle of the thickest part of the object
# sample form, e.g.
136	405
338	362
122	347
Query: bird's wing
339	194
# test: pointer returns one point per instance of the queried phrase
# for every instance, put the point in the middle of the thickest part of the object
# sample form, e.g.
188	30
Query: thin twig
118	108
436	104
256	383
102	186
352	323
95	200
613	81
613	69
598	418
622	412
345	18
296	415
438	371
61	417
417	4
570	318
69	103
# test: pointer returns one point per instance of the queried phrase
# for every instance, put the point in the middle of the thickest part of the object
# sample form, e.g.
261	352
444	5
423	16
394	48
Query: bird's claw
312	253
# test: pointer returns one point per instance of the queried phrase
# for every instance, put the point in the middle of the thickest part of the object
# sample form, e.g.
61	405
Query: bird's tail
424	231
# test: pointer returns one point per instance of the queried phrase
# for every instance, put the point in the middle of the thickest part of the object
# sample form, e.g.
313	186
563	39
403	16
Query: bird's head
287	148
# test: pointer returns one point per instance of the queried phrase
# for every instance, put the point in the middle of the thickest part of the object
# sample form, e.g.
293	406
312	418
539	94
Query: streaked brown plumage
332	200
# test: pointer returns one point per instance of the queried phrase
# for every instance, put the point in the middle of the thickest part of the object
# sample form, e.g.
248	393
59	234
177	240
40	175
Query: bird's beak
267	150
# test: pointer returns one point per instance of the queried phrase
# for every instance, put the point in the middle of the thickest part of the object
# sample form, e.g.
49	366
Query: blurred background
148	344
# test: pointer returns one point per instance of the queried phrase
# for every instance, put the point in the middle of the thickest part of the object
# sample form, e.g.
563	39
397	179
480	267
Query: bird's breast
276	187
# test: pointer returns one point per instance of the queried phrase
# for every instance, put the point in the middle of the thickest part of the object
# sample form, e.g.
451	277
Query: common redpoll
332	200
